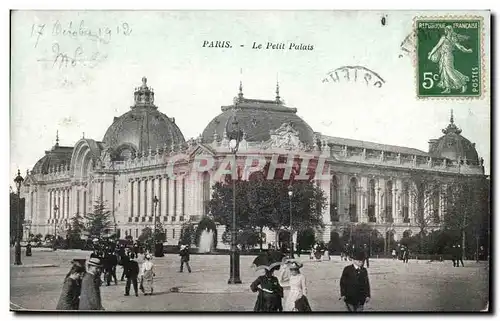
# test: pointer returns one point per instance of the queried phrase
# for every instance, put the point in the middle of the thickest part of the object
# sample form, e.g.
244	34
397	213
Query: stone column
363	199
326	187
146	193
164	196
377	201
137	196
343	202
130	198
140	194
394	201
49	204
382	198
158	194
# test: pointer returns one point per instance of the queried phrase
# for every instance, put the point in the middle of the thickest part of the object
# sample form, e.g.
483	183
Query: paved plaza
417	286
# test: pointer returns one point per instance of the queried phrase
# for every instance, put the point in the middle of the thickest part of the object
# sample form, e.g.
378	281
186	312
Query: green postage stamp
449	57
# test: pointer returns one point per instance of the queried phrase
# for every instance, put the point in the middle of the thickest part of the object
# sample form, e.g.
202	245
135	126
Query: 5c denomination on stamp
449	57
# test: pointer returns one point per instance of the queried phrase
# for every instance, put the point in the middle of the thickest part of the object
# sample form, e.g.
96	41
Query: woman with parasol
268	286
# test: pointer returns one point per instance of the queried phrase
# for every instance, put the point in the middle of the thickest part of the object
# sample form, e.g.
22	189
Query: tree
265	203
188	234
159	234
76	228
146	235
98	222
246	238
305	239
468	210
423	193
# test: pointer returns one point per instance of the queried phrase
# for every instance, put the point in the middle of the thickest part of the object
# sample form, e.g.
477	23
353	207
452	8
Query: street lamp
290	194
19	181
155	202
56	209
234	255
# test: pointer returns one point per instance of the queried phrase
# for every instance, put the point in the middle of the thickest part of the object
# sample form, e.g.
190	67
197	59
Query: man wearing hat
184	254
90	298
354	284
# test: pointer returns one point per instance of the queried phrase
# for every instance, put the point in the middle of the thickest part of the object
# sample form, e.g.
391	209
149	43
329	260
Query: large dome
141	128
257	118
454	146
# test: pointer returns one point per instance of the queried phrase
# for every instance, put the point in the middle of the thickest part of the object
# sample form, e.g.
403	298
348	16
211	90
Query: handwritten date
79	31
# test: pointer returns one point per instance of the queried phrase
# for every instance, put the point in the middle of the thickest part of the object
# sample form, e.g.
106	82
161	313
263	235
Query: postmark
354	74
449	57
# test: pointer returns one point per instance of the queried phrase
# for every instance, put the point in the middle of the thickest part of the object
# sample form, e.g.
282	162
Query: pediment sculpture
285	137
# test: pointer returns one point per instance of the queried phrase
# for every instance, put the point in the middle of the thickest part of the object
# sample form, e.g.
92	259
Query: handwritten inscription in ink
79	31
64	59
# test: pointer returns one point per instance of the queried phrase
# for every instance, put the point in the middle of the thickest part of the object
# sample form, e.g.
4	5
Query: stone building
368	182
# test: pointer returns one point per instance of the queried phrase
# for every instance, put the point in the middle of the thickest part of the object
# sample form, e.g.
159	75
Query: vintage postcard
250	161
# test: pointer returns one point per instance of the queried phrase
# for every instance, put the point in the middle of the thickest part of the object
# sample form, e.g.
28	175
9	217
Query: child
354	284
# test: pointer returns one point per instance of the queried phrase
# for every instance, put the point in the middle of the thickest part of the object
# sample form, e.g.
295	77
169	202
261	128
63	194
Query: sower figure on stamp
184	254
354	284
442	54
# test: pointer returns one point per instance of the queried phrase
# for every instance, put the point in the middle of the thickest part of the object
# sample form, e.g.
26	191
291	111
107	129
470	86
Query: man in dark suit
366	252
354	284
131	273
184	254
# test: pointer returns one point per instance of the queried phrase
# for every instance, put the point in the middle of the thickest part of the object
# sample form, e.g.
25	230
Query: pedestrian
393	254
90	298
184	254
147	274
72	287
110	263
366	252
298	289
354	284
270	293
454	255
459	256
28	249
131	273
125	258
406	254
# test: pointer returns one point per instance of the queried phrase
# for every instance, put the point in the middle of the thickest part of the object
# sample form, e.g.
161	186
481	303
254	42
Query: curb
216	289
35	265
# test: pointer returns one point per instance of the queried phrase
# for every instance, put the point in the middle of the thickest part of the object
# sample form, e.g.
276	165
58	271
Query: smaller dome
57	157
453	145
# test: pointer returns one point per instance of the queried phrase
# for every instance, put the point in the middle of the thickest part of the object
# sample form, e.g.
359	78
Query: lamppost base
234	267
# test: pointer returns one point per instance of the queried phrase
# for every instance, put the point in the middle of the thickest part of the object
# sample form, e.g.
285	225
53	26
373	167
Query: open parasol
268	260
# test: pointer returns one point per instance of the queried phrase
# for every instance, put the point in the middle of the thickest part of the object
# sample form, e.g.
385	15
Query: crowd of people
81	286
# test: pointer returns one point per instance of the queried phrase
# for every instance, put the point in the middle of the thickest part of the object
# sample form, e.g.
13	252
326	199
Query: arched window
388	202
435	205
353	200
334	200
371	201
406	202
206	192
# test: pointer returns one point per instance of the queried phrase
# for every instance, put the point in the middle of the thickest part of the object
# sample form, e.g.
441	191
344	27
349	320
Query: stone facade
364	182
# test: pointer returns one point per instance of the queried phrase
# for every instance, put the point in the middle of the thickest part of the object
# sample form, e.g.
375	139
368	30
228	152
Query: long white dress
298	288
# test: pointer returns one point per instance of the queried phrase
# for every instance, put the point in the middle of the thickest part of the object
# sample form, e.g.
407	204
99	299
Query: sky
192	82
